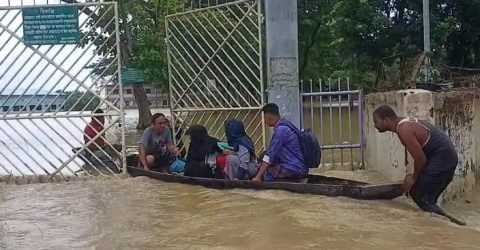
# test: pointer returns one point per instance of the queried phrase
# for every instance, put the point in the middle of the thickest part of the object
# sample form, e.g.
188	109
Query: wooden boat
317	184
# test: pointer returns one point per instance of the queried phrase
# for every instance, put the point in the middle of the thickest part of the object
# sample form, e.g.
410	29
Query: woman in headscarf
201	147
241	164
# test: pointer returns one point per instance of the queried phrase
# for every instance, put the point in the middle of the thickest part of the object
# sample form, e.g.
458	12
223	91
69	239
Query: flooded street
140	213
77	76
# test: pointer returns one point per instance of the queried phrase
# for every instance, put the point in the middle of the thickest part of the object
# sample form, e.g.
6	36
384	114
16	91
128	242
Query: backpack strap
406	156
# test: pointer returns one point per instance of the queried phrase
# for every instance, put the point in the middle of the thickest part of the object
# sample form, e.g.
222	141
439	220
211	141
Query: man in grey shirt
157	150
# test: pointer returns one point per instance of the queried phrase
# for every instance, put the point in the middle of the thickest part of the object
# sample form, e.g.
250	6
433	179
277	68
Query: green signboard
132	76
50	25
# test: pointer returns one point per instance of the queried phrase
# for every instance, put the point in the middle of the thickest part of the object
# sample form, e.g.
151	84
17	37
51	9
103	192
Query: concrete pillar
426	26
282	57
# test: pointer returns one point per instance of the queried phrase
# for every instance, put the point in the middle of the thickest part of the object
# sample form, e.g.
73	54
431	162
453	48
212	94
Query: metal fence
188	5
50	90
333	110
216	66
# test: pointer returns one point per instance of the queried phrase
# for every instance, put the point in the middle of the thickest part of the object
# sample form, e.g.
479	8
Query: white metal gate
216	67
49	92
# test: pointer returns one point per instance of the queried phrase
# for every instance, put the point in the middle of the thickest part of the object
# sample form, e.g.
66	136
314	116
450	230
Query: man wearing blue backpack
284	159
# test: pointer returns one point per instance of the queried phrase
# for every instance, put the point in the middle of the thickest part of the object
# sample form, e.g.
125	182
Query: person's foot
439	211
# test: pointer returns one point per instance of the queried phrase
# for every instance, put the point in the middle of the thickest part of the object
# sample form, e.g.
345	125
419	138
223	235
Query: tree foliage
142	46
361	38
367	40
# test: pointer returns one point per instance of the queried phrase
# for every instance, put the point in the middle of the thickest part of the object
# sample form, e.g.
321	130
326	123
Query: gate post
282	57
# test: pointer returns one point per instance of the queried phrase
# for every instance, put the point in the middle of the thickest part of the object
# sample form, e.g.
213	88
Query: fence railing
332	109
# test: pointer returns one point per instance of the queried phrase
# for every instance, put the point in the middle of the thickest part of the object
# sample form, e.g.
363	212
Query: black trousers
428	188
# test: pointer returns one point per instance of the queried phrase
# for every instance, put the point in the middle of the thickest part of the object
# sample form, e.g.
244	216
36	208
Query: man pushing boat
435	157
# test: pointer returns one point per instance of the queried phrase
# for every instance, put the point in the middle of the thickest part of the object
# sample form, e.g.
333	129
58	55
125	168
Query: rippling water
140	213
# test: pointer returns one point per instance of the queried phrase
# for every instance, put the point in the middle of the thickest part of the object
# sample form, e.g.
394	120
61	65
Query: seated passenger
241	163
202	153
99	153
157	150
284	157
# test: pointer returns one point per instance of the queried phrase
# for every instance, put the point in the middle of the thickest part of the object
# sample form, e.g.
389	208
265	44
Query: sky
24	71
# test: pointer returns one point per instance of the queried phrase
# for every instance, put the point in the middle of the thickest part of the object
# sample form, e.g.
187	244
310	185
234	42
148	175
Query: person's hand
228	152
176	151
257	179
408	183
143	165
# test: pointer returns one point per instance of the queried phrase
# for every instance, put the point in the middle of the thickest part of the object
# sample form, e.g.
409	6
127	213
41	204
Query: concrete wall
456	112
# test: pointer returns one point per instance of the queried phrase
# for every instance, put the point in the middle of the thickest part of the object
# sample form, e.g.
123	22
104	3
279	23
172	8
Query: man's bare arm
261	172
415	149
143	157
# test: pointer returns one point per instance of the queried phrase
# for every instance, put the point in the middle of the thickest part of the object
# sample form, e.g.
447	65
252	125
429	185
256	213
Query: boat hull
328	186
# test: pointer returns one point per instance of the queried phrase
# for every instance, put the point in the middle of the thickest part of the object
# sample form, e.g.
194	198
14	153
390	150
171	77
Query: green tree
142	43
362	39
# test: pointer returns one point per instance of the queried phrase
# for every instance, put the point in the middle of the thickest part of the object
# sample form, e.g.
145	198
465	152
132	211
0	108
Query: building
156	97
32	103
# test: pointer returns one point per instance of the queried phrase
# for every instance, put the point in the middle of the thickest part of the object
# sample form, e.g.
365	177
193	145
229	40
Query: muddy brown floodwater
140	213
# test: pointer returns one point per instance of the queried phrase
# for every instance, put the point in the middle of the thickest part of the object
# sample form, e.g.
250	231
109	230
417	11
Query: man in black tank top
434	155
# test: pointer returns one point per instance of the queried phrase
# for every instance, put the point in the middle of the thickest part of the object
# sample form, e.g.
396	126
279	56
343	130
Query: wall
457	113
453	111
